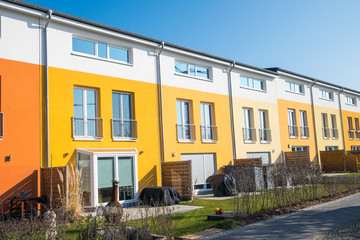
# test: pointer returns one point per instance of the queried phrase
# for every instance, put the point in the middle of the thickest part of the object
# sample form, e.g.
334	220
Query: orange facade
20	145
351	123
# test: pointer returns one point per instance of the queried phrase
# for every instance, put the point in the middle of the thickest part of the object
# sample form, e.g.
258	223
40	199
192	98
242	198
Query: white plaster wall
217	83
269	95
141	68
323	102
348	107
20	37
290	96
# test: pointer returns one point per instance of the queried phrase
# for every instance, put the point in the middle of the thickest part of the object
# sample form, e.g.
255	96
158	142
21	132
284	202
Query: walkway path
303	224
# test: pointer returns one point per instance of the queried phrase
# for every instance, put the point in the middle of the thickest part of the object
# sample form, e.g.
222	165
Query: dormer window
294	87
326	95
350	100
192	70
252	83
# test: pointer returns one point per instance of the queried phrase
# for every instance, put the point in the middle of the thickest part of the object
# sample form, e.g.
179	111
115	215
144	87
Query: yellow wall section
61	105
222	148
274	147
319	128
283	106
348	142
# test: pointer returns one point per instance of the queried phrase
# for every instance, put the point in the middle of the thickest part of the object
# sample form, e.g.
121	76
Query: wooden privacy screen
178	175
252	161
338	161
297	156
50	178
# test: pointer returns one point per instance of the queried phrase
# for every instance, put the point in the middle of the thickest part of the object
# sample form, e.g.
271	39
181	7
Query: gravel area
348	231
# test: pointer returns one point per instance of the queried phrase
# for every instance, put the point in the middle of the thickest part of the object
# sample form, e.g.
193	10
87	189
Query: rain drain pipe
313	114
160	104
232	112
341	118
47	86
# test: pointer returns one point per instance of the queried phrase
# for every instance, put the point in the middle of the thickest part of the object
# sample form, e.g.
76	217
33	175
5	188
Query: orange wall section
348	142
20	103
283	106
222	149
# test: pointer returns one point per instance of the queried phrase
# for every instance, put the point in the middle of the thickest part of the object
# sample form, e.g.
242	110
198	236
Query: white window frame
213	128
293	87
331	148
252	86
304	124
264	125
107	59
135	130
325	125
326	95
299	148
248	124
86	137
334	127
192	138
350	100
188	70
292	123
350	128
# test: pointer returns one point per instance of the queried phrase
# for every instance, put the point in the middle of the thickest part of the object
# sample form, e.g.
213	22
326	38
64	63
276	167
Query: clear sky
317	38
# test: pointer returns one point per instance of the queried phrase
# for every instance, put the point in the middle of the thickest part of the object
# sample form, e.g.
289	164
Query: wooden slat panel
332	161
297	156
252	161
178	174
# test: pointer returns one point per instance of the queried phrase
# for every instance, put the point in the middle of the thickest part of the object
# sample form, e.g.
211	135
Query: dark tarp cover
160	196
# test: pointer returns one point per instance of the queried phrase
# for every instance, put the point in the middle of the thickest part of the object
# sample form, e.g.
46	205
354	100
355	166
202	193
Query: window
124	127
294	87
252	83
357	131
100	50
299	148
86	123
264	131
85	186
331	148
334	130
326	130
185	130
350	100
293	132
208	130
192	70
350	128
326	95
304	128
248	130
355	148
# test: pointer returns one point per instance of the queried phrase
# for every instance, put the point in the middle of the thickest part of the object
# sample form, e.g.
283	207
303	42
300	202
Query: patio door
105	167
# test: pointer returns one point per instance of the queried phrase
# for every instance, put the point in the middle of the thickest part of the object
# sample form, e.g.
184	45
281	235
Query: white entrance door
203	166
265	156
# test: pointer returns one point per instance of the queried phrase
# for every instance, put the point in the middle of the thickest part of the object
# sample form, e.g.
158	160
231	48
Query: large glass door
126	178
105	169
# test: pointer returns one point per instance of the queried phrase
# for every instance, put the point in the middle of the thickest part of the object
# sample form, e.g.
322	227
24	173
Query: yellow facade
353	138
61	104
331	141
286	142
242	148
173	148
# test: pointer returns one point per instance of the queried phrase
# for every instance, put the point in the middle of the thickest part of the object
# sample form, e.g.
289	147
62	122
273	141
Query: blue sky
319	38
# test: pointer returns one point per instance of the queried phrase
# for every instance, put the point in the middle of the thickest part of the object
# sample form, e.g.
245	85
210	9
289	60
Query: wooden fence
338	161
51	182
178	175
297	156
252	161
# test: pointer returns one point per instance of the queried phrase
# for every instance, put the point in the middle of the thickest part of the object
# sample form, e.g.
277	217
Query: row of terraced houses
117	104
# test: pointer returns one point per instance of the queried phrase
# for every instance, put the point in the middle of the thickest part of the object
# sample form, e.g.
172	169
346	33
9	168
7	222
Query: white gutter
47	87
160	104
341	117
313	114
232	111
23	10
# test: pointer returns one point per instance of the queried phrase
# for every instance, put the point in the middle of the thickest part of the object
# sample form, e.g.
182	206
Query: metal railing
304	131
209	133
124	129
265	135
351	134
326	133
1	125
249	134
87	127
335	133
357	133
293	131
186	132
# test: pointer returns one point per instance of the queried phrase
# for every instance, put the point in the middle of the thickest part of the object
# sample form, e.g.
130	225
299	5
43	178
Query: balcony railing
87	128
1	125
326	133
124	129
265	135
209	133
249	134
335	133
351	134
186	132
304	131
357	134
293	131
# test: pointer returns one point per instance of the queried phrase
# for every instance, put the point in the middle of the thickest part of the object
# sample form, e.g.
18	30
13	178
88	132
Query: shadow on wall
29	184
149	180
